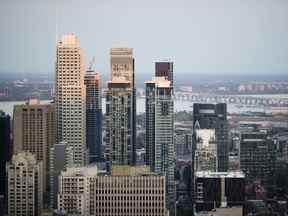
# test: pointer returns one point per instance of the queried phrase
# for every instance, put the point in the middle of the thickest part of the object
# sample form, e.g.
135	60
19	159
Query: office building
160	150
219	190
165	69
122	66
70	97
183	141
61	157
24	185
229	211
127	191
74	190
205	156
5	150
34	131
120	146
93	116
2	205
257	156
210	140
212	117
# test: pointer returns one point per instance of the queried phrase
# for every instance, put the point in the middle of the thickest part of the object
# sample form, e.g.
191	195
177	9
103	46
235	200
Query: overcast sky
200	36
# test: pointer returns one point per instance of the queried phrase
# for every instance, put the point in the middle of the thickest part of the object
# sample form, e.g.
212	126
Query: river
7	106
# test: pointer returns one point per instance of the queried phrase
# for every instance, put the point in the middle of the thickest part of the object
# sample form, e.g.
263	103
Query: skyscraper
24	185
5	149
213	119
61	157
165	68
93	116
121	80
183	141
209	140
257	156
34	132
119	123
160	150
122	64
70	97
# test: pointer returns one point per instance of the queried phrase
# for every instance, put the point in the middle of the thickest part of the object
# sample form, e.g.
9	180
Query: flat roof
234	211
253	140
229	174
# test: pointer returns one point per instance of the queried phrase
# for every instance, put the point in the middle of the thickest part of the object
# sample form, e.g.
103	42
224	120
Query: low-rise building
127	191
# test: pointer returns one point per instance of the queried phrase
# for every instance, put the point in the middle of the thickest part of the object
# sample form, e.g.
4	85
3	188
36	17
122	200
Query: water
7	106
276	96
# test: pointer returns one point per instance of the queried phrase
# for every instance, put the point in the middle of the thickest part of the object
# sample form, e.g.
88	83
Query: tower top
69	39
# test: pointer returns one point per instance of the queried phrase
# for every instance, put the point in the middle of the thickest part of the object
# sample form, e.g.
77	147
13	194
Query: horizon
180	79
195	35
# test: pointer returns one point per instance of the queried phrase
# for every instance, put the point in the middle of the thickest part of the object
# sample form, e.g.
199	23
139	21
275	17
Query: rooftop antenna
56	22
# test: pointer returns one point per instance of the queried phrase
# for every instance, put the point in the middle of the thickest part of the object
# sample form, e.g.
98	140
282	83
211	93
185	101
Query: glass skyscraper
93	116
160	150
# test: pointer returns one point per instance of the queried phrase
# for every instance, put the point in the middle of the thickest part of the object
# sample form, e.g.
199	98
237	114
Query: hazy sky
200	36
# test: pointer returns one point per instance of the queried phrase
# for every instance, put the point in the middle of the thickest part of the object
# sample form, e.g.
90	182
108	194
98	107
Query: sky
199	36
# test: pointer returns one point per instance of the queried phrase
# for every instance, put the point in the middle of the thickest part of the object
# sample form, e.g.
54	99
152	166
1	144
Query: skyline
238	37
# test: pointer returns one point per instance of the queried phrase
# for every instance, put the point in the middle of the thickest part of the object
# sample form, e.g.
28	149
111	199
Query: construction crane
91	64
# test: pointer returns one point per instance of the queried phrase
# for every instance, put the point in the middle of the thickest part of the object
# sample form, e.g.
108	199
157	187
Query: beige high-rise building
74	190
24	185
122	64
34	131
70	97
127	191
121	108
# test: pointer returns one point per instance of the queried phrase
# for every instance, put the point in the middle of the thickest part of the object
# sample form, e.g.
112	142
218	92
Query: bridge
232	99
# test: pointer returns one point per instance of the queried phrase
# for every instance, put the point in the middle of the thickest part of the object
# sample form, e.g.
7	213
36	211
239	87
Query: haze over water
7	106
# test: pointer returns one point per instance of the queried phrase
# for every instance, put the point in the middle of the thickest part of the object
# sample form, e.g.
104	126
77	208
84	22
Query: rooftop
253	140
33	101
68	40
130	170
121	50
80	171
229	174
161	82
235	211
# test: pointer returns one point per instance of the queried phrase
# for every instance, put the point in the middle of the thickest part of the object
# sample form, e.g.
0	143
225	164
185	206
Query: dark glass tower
258	156
5	148
214	116
93	116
